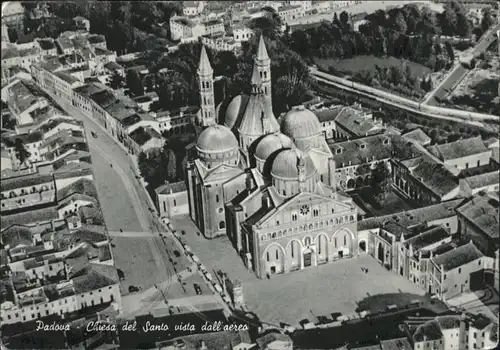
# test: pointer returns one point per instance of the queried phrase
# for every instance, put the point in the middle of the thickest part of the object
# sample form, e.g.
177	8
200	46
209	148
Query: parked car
165	220
94	135
179	343
197	289
133	289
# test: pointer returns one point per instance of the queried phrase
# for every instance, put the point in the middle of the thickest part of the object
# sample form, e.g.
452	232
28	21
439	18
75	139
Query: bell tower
206	85
263	63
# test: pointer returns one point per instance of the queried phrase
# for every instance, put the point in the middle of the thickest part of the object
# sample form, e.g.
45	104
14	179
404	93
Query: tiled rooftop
97	276
435	177
427	331
418	136
483	180
66	77
369	149
428	237
25	181
458	256
483	211
414	217
449	321
458	149
357	121
31	217
171	188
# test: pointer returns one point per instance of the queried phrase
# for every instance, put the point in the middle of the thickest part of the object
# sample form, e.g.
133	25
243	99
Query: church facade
268	184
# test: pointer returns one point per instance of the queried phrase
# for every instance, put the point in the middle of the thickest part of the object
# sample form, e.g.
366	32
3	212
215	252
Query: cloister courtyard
335	287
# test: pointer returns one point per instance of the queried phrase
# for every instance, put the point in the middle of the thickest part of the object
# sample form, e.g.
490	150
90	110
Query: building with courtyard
268	184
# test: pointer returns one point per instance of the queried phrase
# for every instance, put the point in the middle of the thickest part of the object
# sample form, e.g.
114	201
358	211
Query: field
358	63
335	287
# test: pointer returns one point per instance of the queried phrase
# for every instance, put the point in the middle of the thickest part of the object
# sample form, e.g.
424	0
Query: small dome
300	123
234	110
270	144
285	165
216	138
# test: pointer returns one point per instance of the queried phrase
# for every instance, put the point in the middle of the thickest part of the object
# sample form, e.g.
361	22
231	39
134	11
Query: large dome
285	165
270	144
216	139
300	123
234	110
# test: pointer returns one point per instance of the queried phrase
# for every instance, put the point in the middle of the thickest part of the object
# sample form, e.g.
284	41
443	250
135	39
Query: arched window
217	198
267	256
293	251
222	225
335	242
345	240
277	257
307	241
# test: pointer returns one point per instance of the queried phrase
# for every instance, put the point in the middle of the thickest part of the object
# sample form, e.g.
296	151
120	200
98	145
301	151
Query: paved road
123	198
459	72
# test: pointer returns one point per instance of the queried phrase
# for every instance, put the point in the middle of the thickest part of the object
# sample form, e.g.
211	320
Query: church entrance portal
307	259
380	252
362	246
273	270
341	254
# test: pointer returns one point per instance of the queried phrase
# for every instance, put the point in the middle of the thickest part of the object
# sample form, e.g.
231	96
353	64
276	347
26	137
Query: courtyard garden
391	202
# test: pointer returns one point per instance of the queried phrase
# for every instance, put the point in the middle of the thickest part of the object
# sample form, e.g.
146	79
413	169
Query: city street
125	205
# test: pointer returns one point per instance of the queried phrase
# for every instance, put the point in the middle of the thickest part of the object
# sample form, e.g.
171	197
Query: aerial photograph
250	175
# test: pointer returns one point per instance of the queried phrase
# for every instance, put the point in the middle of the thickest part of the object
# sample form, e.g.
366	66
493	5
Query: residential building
220	42
145	140
450	332
291	12
462	154
193	8
424	180
478	220
186	28
172	199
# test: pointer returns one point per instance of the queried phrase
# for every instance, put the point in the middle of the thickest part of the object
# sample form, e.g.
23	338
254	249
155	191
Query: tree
381	181
21	153
400	23
449	51
171	166
116	81
487	20
344	20
134	83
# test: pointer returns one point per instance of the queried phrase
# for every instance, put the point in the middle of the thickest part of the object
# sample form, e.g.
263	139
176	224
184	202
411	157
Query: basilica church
267	183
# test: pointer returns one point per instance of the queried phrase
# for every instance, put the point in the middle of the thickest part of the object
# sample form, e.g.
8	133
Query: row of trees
408	32
395	79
